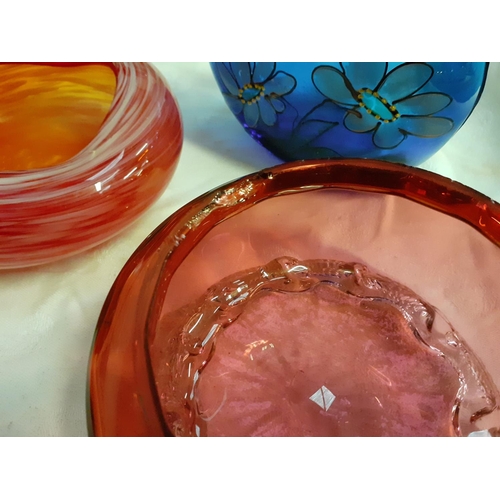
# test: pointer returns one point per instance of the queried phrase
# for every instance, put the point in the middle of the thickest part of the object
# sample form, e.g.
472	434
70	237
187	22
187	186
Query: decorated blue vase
400	112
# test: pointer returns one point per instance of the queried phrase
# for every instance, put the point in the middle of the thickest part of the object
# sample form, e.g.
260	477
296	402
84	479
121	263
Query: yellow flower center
377	105
251	93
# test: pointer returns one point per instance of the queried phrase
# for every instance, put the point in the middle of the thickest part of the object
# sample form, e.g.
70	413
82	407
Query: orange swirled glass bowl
333	298
85	149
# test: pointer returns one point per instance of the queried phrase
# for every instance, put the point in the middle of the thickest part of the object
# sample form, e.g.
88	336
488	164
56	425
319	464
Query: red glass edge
119	369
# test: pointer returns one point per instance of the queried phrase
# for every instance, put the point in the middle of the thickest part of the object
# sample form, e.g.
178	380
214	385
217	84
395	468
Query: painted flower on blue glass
386	104
257	89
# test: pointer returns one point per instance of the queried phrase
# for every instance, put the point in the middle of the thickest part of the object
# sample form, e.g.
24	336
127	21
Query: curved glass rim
65	203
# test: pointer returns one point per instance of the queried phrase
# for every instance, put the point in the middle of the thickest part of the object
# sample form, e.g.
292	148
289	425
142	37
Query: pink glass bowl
50	213
321	298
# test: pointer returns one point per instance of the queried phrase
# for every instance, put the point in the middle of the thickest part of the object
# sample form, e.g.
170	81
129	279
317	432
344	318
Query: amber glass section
48	113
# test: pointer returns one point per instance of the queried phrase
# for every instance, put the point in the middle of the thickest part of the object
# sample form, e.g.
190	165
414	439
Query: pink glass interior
384	382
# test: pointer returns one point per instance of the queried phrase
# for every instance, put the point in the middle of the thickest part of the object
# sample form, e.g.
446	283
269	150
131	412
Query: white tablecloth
48	314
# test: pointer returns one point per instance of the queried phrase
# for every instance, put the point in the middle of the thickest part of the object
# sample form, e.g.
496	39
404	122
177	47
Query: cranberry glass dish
85	148
320	298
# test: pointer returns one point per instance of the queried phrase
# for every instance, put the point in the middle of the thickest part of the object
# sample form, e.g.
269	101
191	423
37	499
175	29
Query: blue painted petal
423	104
281	84
388	136
426	126
278	105
262	71
267	113
227	79
241	71
235	105
405	80
251	113
362	123
334	85
363	75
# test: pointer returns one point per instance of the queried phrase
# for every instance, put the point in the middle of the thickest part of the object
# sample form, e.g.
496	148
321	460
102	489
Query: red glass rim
58	211
150	269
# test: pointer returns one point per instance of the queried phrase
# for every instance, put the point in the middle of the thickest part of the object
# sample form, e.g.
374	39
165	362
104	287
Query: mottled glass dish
84	149
320	298
401	112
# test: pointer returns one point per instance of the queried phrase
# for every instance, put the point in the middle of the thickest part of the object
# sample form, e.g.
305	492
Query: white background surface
48	314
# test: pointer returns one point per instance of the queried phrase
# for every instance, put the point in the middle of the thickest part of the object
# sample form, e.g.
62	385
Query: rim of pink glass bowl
143	108
127	404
